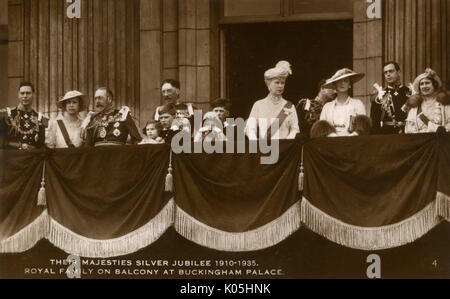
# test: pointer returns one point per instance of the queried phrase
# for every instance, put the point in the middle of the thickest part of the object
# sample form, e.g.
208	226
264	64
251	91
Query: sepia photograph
246	140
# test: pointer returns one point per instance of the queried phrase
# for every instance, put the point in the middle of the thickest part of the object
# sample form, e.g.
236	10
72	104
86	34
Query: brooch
287	111
116	132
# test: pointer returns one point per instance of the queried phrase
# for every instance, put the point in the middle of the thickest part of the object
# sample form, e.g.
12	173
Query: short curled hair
362	124
221	102
157	125
80	104
181	106
322	128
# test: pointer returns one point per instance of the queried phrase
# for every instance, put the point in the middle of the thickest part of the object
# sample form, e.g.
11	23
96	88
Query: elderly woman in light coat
274	109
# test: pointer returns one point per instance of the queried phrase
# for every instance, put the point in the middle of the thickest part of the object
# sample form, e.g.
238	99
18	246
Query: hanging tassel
300	179
301	175
169	177
42	197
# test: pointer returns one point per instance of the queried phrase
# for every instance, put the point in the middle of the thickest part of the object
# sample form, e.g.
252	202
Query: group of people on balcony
422	107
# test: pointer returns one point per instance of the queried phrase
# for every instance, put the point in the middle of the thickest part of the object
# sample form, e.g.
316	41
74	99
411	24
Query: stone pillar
179	40
367	52
198	51
4	52
150	57
170	40
15	47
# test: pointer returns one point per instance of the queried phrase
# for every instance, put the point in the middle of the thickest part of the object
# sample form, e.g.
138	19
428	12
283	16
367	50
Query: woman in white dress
428	111
273	107
341	111
65	130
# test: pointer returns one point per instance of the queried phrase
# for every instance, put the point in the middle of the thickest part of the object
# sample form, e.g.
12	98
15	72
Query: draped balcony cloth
368	193
232	202
102	202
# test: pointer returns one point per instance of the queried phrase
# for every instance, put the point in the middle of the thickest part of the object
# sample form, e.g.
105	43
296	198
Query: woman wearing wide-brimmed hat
429	109
272	107
341	111
64	131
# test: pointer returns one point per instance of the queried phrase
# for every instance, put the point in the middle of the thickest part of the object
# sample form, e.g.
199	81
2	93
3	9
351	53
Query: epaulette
300	102
87	120
124	112
190	109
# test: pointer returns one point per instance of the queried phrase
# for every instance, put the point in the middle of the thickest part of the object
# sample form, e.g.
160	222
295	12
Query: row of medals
105	122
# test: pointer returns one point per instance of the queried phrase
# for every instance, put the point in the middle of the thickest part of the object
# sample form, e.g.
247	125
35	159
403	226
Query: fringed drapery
73	243
106	202
443	205
28	236
265	236
369	238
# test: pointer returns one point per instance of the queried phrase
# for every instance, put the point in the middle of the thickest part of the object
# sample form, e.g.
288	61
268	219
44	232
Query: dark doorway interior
314	49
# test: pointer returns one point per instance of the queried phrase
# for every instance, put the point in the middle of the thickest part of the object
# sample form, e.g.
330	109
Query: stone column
367	52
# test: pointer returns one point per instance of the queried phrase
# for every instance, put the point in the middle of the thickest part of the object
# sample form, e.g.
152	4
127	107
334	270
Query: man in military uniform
170	90
22	127
308	110
386	111
109	126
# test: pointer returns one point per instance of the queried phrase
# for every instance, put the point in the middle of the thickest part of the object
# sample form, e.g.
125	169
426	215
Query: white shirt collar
345	103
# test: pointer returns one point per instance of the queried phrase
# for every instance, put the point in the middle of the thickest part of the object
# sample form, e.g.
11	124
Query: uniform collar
21	108
394	87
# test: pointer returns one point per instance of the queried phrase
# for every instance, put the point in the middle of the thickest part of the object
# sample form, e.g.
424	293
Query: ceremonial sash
281	118
65	134
422	116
